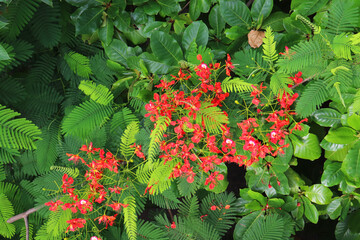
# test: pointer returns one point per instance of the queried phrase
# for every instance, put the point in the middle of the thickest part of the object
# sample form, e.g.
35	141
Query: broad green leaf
332	174
118	51
327	117
334	208
87	20
319	194
198	32
331	146
342	231
354	121
243	226
341	135
216	20
276	202
311	212
295	26
261	9
106	33
122	22
165	48
257	196
236	32
169	7
306	147
294	179
351	166
307	7
153	64
280	183
354	219
288	152
135	37
235	13
81	3
275	21
3	54
197	7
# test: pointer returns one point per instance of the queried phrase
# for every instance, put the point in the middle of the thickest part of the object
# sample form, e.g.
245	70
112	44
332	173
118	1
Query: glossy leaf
165	48
198	32
354	219
306	147
334	208
332	174
106	33
216	20
275	21
118	51
257	196
327	117
311	212
87	20
295	26
351	166
319	194
341	135
3	54
307	7
235	13
261	9
242	227
197	7
354	121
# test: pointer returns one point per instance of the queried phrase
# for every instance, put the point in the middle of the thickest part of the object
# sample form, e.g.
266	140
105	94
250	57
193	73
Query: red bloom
116	206
213	178
84	206
165	85
75	158
89	149
138	151
75	224
108	220
53	205
67	181
228	65
182	76
116	189
213	207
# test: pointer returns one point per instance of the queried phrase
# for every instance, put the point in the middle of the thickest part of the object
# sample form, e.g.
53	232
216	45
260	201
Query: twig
304	81
24	215
184	7
249	2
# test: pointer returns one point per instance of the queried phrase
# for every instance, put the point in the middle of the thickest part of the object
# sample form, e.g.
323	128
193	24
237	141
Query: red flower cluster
96	192
187	129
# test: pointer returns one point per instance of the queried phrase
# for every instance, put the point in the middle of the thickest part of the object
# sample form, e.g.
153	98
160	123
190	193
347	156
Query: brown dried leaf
255	38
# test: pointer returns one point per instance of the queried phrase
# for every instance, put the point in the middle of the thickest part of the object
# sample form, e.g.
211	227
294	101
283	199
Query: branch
24	215
249	2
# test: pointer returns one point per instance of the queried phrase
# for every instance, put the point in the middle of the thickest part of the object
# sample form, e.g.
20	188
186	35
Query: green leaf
6	211
276	202
236	32
296	27
334	208
332	174
354	219
216	20
279	82
130	217
106	32
3	54
257	196
319	194
307	7
79	64
327	117
118	51
306	147
197	7
235	13
87	20
275	21
311	212
165	48
351	166
261	9
245	223
153	64
97	92
198	32
169	7
341	135
354	121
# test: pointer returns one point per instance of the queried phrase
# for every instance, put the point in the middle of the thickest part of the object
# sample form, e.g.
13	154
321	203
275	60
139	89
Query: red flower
173	225
287	53
116	189
296	79
213	207
212	179
67	181
75	224
228	65
116	206
138	151
165	85
89	149
54	205
182	76
74	158
84	206
108	220
227	206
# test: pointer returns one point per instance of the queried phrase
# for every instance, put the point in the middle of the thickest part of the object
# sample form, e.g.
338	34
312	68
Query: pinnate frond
128	139
98	93
235	85
213	118
130	217
79	64
269	46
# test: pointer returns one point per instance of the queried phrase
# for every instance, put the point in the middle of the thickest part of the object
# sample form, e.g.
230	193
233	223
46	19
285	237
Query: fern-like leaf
121	119
16	133
57	224
46	148
269	46
2	173
78	63
189	207
23	51
188	189
148	230
271	227
11	91
159	179
356	104
7	155
342	46
72	172
43	69
23	232
165	200
86	118
130	217
279	82
6	211
301	55
19	13
343	17
98	93
29	164
156	136
128	139
314	95
213	118
46	26
235	85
